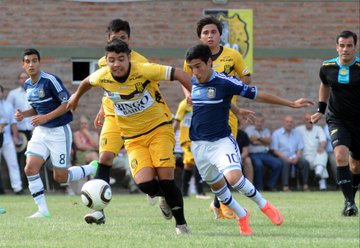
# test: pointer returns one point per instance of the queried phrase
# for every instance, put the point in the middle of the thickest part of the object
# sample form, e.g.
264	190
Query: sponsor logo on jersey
106	81
211	92
128	108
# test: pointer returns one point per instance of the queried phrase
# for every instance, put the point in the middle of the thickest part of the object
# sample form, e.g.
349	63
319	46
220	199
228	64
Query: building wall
291	38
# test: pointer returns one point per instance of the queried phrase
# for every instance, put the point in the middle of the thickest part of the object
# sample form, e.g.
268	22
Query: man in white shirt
17	98
8	148
314	140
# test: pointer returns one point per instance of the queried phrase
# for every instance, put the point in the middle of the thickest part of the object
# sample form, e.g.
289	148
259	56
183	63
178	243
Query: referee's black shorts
345	132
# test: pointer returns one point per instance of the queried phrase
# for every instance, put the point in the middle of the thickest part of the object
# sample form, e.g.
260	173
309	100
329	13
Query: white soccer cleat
182	230
152	200
38	214
165	208
97	217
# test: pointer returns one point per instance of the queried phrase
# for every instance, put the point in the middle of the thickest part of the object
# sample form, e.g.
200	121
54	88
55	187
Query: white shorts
214	159
54	142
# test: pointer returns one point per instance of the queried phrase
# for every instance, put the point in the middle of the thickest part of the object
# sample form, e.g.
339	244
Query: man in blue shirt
52	135
287	144
215	150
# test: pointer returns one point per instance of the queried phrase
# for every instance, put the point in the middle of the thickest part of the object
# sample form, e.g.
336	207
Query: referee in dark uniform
340	92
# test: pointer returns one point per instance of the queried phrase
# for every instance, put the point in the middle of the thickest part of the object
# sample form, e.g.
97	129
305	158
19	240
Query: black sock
186	179
355	183
151	188
174	199
198	182
344	181
103	172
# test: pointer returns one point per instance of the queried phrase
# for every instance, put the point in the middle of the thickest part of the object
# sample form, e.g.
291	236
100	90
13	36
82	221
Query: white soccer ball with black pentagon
96	194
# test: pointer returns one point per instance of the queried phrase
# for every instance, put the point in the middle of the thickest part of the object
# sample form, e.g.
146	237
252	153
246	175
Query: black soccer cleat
97	217
350	209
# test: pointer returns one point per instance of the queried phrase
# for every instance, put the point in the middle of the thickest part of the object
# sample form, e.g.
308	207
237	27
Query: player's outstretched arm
82	89
184	79
272	99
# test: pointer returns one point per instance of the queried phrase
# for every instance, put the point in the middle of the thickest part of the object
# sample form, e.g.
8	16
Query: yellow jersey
138	103
230	62
107	104
184	115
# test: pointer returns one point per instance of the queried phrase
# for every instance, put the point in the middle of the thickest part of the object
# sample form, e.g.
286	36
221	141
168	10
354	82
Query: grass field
310	220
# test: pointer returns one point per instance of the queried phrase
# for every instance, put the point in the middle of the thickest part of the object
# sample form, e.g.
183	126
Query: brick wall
277	24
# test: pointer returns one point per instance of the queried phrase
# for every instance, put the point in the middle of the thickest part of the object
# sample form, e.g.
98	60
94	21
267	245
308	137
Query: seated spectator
314	149
287	144
86	143
330	151
10	138
243	142
259	149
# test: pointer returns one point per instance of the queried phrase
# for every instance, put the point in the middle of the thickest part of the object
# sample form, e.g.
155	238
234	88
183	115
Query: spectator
259	149
8	148
18	99
287	144
314	149
242	139
3	123
86	143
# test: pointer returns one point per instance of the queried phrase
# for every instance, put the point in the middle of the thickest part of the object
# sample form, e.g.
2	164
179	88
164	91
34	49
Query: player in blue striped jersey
52	136
214	148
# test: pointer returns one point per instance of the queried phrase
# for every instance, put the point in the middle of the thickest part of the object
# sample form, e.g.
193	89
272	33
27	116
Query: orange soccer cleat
244	224
273	214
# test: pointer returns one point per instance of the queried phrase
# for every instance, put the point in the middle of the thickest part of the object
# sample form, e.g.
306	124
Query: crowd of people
215	148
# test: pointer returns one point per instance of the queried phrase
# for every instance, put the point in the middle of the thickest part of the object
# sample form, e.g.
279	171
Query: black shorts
345	132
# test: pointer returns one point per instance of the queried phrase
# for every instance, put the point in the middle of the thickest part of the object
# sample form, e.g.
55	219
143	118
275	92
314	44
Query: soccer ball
96	194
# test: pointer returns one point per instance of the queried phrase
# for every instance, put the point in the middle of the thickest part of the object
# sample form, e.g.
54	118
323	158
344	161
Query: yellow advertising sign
237	31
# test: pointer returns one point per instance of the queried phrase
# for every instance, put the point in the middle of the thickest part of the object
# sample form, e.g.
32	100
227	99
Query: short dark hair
206	21
30	51
200	51
117	46
346	34
118	25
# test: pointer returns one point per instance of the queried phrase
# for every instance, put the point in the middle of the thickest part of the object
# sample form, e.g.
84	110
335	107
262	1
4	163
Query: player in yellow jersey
145	126
110	141
182	122
225	60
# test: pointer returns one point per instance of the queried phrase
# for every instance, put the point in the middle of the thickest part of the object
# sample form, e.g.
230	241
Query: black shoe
350	209
97	217
20	192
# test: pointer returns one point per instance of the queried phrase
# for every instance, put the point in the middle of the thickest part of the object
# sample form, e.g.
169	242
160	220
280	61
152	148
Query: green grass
310	220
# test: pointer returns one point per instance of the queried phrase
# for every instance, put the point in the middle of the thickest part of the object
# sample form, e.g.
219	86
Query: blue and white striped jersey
211	103
47	94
